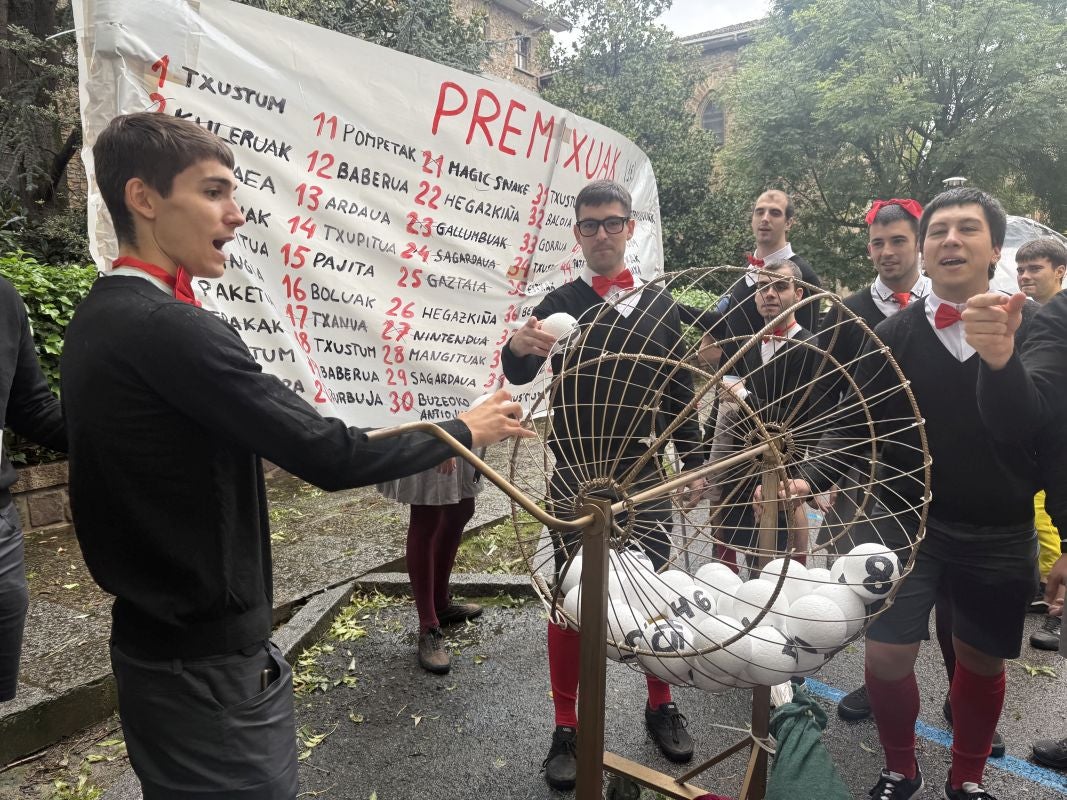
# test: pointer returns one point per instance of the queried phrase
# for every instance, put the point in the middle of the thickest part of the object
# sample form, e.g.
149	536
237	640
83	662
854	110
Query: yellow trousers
1048	538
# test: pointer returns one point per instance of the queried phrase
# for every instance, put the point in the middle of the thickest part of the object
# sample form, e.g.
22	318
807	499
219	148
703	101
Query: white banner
402	218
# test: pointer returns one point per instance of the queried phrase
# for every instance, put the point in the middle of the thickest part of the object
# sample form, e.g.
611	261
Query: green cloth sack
802	767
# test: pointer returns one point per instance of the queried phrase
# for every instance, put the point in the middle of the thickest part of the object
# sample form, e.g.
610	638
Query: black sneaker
1051	753
1038	605
1047	637
855	705
969	791
894	786
666	726
561	766
998	748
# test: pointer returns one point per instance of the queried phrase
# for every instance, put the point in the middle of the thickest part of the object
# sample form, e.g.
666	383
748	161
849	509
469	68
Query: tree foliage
843	101
633	76
424	28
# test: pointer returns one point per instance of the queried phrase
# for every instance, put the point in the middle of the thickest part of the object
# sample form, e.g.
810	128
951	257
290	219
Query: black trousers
14	599
206	729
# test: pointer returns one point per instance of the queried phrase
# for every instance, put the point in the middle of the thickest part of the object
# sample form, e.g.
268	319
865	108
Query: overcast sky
696	16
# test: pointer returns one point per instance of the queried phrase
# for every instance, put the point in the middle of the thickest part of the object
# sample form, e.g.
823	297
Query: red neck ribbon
182	284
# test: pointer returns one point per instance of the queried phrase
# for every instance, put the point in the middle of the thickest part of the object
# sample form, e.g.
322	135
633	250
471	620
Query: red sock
896	707
976	704
564	651
658	692
423	530
454	519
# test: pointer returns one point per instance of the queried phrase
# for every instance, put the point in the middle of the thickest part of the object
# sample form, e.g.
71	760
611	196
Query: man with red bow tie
597	432
777	374
167	416
980	544
893	246
772	218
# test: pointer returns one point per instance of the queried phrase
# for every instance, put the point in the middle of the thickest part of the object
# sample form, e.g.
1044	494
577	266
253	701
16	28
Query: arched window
713	120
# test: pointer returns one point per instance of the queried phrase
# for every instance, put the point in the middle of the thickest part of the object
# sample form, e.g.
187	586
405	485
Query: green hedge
51	295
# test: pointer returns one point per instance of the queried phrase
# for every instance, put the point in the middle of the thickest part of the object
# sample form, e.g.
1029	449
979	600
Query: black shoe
561	766
433	657
998	748
969	791
855	705
1038	605
666	726
1051	753
1047	637
894	786
456	613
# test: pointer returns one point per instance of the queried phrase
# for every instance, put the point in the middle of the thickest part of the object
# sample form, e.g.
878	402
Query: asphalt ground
482	731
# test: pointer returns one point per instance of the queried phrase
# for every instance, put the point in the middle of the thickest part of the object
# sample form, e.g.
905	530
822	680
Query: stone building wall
504	28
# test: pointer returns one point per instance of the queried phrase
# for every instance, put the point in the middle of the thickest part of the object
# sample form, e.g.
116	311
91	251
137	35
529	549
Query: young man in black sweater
980	541
28	408
1020	395
772	217
168	416
778	375
603	412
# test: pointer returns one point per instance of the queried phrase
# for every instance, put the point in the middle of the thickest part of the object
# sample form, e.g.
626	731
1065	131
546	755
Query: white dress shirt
780	255
624	301
775	343
887	304
952	336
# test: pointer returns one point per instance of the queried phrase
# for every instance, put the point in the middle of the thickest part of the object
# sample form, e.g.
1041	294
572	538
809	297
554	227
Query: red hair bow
911	206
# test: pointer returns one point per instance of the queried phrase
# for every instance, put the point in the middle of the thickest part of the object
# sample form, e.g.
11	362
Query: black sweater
168	415
974	479
27	406
845	341
596	414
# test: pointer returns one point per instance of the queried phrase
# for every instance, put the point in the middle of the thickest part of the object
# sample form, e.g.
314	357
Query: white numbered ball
573	574
795	585
816	622
572	606
673	580
755	595
837	570
721	584
809	659
852	608
670	641
871	570
623	559
773	658
817	576
625	629
712	567
691	603
640	587
720	667
562	326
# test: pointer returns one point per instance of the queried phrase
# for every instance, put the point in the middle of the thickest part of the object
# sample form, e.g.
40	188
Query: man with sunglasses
608	405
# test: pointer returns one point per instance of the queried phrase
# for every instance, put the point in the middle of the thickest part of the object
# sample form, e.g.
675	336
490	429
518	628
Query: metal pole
592	675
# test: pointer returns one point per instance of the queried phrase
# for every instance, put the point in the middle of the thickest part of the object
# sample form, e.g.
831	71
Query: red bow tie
776	333
624	280
182	284
946	315
902	298
753	261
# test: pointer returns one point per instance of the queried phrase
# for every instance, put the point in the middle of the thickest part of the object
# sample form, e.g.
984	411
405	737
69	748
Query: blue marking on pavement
1016	766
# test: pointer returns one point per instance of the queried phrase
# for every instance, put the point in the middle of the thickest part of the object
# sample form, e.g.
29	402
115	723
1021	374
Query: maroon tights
433	539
